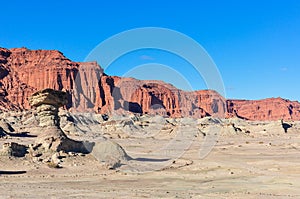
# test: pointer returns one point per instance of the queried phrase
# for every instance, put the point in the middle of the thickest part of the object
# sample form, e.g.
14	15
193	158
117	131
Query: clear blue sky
255	44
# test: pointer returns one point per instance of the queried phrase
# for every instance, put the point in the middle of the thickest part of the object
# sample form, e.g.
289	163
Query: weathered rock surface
110	153
268	109
88	88
53	138
13	149
24	71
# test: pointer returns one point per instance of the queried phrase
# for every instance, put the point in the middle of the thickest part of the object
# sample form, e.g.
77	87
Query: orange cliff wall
24	71
267	109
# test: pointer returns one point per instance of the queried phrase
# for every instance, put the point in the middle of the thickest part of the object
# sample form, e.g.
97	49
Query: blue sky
255	44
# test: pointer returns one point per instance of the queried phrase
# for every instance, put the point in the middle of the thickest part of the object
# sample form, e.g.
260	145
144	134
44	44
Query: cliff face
23	72
157	97
267	109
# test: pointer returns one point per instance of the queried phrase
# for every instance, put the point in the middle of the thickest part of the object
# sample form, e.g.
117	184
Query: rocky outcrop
13	149
157	97
53	138
88	88
267	109
24	71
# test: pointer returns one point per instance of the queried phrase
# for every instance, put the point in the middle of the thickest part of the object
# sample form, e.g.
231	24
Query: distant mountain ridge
24	71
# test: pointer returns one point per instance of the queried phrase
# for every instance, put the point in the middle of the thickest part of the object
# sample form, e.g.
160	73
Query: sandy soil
256	165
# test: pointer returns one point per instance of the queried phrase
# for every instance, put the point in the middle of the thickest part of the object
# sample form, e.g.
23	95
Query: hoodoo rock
24	72
53	138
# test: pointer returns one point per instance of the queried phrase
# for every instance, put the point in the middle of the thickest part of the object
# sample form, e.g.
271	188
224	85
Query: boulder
109	153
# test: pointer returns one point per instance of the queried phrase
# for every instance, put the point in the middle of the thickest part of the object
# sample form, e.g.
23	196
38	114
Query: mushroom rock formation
52	138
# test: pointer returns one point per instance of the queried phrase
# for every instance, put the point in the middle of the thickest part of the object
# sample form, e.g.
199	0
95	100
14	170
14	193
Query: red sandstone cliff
24	71
267	109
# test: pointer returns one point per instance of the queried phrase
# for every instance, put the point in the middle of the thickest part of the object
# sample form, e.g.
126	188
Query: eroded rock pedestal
52	138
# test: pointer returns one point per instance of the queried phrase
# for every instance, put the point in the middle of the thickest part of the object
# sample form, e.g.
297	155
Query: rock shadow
285	126
22	135
151	159
11	172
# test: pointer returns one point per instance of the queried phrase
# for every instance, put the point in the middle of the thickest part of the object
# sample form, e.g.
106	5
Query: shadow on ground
150	160
11	172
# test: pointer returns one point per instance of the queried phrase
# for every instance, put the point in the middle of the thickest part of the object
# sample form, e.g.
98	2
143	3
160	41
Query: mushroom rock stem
48	115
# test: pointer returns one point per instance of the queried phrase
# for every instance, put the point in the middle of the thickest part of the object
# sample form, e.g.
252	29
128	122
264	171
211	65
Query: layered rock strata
52	138
24	71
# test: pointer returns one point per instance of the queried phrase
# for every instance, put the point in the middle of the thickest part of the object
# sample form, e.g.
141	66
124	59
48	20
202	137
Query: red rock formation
23	72
267	109
157	97
27	71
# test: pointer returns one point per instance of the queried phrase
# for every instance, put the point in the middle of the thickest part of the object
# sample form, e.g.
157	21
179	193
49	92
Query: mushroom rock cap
49	96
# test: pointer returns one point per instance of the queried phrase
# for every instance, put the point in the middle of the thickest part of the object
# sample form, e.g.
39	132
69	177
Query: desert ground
169	158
